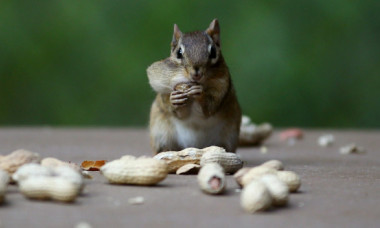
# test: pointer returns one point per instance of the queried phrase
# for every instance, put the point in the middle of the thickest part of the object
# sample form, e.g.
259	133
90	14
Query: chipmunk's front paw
178	99
195	91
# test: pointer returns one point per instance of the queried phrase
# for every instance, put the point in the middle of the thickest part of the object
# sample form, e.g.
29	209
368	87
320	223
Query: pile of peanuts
51	179
46	179
264	186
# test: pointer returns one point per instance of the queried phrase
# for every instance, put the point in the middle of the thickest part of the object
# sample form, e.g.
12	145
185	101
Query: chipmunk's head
197	51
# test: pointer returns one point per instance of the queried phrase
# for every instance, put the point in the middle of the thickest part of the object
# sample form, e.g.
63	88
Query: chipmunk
196	105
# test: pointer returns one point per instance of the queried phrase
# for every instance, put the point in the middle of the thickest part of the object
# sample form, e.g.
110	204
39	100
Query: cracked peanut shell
14	160
177	159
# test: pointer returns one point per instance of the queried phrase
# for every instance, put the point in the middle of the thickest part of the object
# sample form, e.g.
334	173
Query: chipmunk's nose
196	75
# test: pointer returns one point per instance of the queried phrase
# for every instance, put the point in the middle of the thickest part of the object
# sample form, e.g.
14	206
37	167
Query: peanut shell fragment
211	178
135	171
188	169
92	165
291	134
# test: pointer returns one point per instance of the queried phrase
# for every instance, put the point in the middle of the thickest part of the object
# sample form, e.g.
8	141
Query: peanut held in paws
183	87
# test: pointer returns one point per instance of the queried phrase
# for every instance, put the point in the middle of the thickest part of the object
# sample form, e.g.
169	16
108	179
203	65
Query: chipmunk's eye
212	53
179	53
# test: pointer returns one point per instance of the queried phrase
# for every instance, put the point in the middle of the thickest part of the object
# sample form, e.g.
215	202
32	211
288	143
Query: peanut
274	164
255	173
14	160
135	171
277	189
54	162
246	175
352	149
229	161
255	197
251	134
291	179
36	170
183	87
239	174
61	183
211	178
177	159
48	187
31	169
4	179
326	140
188	169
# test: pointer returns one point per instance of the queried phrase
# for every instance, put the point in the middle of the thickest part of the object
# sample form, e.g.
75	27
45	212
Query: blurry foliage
294	63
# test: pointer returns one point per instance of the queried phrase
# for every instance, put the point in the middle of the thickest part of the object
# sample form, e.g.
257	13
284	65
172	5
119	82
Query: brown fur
216	107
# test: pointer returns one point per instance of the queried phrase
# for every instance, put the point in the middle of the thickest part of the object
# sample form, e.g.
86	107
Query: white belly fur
197	131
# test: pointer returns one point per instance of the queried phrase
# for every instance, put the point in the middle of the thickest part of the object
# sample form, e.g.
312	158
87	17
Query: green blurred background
294	63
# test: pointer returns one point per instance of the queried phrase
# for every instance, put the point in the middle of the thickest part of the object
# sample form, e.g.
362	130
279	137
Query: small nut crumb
352	149
263	150
83	225
136	200
86	174
326	140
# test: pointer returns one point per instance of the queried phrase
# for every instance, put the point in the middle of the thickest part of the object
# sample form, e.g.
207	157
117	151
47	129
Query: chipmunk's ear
176	35
214	31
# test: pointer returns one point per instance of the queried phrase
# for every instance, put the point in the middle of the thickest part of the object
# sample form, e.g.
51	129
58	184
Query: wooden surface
337	190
